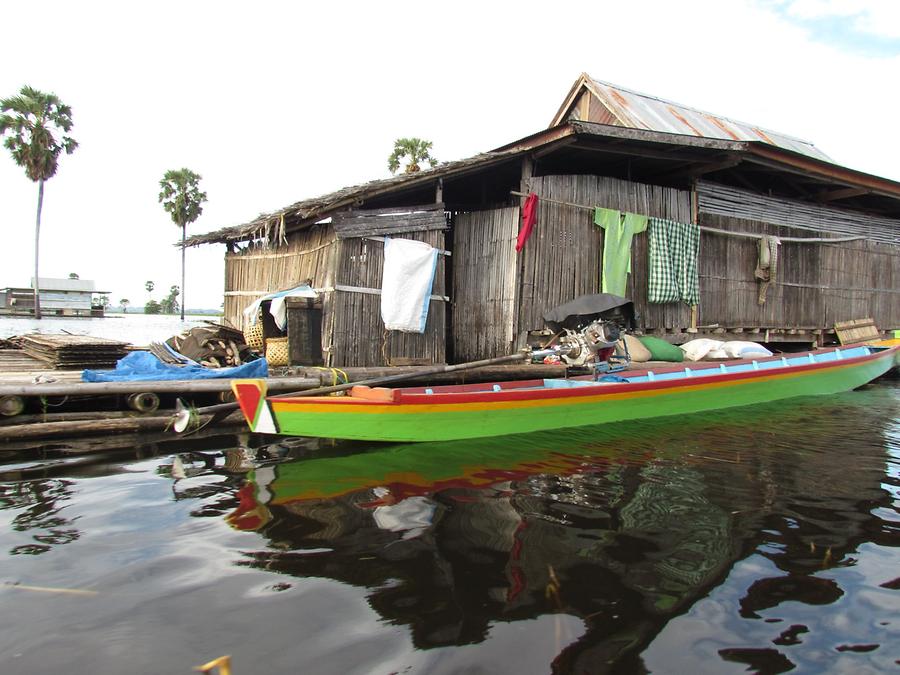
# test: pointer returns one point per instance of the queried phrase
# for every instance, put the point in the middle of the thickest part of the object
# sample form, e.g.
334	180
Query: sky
276	102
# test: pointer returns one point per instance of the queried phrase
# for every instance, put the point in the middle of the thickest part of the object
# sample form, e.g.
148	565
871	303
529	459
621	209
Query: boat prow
251	397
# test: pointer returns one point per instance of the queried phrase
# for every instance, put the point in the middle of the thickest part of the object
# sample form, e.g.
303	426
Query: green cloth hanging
619	229
674	250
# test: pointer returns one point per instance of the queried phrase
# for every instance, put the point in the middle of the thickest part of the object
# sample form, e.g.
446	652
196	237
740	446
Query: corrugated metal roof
80	285
642	111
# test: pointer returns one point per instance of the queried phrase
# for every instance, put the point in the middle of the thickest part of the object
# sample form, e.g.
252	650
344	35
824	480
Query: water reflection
40	506
705	543
621	529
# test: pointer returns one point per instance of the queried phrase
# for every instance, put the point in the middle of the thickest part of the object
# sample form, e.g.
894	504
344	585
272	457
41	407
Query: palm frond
35	131
181	196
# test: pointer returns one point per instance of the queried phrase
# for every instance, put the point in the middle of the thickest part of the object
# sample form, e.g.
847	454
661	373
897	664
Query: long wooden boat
494	409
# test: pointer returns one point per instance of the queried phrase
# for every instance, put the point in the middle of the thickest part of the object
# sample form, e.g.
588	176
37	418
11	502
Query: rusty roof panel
642	111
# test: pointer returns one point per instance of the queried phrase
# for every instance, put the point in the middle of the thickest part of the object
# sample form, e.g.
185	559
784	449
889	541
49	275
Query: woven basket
277	351
253	336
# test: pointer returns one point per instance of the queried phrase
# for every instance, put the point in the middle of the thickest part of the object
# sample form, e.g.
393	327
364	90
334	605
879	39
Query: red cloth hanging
529	217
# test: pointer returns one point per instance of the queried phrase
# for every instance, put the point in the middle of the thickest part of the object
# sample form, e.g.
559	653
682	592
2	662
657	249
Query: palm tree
182	198
415	149
124	302
37	123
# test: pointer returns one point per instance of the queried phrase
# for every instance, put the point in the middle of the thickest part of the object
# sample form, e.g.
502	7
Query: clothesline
711	230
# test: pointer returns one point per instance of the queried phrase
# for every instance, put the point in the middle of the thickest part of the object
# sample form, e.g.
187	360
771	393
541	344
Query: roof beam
843	193
553	147
699	170
667	155
775	158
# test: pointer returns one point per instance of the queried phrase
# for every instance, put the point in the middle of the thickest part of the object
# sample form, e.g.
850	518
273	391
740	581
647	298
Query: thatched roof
272	226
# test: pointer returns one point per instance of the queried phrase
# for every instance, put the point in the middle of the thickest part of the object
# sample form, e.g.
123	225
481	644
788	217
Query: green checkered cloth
674	250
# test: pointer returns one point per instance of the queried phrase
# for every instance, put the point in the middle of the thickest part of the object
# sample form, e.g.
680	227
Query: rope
334	375
711	230
384	353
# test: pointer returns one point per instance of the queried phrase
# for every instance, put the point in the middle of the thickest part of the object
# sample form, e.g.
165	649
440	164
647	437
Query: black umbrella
586	308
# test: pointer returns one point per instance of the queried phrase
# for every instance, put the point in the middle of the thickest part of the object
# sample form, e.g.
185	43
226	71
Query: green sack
660	350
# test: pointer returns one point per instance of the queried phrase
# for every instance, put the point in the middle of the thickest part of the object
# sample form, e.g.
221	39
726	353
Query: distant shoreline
113	315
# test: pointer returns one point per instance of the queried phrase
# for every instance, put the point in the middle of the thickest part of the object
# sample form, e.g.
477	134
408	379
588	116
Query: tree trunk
183	229
37	240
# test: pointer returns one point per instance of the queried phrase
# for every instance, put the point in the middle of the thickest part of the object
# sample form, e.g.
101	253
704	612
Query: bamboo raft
73	351
25	380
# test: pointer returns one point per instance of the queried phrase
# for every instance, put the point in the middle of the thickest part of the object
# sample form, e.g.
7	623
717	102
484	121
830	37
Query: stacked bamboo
73	351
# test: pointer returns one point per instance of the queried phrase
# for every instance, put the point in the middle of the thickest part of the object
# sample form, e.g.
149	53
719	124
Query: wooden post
517	260
328	300
584	107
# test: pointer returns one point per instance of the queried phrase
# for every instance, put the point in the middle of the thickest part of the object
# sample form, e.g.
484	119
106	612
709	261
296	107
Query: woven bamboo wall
724	200
484	283
815	284
562	258
259	270
354	331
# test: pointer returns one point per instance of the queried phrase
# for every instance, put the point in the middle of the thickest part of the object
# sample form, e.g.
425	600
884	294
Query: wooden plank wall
815	284
563	256
354	331
258	270
484	283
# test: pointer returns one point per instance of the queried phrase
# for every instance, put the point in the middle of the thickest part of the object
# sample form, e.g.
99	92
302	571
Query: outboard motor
588	329
595	342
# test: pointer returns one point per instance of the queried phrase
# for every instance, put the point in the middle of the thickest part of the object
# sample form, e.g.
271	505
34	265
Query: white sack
738	349
697	349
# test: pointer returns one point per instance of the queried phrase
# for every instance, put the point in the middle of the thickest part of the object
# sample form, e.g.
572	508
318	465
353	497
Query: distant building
60	297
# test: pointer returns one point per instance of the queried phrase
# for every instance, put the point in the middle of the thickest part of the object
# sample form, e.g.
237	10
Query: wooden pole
400	377
377	381
712	230
138	387
95	427
71	417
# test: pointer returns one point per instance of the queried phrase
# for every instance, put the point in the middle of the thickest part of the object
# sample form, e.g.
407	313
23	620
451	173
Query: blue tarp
138	366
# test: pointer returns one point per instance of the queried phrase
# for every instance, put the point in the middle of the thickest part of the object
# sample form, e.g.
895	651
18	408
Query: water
762	539
138	329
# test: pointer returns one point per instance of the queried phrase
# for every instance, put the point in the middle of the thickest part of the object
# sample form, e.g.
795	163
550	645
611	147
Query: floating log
10	406
98	427
70	417
144	402
132	443
137	387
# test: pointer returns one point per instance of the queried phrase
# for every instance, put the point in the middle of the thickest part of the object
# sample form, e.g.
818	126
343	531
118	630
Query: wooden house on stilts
835	231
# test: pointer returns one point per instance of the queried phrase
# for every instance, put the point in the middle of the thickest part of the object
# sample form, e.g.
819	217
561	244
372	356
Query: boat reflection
623	526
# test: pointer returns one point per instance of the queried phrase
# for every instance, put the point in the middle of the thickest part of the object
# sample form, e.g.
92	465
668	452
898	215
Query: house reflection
621	526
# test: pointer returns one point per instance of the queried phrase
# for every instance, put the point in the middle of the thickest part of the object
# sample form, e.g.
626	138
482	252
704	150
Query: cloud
862	26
